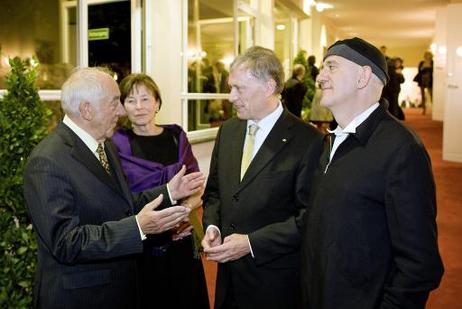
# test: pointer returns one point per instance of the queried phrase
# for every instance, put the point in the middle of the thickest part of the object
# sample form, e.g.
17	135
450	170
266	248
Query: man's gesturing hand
155	222
182	185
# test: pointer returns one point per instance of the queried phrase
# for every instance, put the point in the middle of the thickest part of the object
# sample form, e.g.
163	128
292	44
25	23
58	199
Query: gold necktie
248	148
103	158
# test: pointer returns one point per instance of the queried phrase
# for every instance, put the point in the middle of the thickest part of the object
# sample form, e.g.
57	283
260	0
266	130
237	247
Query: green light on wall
98	34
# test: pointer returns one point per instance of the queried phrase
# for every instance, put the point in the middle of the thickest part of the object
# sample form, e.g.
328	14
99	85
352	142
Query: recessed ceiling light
281	27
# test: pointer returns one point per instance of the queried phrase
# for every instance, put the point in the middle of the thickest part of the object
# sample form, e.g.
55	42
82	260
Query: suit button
232	227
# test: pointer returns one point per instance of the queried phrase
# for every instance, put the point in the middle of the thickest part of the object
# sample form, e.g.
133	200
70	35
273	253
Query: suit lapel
117	170
279	136
81	153
235	151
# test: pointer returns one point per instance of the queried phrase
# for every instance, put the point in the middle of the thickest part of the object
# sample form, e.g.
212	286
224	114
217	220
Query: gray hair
83	85
298	69
262	64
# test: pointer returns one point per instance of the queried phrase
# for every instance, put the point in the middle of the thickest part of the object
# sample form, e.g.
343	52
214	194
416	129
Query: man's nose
121	110
232	95
321	76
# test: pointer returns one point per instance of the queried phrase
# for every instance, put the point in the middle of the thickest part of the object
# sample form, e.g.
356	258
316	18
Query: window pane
246	31
57	114
210	45
31	30
203	114
282	35
109	37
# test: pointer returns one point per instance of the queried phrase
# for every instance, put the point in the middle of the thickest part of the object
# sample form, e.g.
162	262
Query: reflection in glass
31	30
203	114
210	45
282	36
57	114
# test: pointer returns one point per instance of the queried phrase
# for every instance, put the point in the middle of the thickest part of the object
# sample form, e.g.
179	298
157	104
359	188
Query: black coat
391	92
370	238
268	205
292	96
86	230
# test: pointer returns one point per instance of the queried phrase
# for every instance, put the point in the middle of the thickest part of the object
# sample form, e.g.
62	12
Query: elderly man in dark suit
257	189
370	238
82	209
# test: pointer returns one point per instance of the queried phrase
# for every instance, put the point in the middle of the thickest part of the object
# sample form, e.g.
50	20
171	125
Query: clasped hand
233	247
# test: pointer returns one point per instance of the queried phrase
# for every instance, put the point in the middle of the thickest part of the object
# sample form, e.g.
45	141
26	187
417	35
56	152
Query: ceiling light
459	51
281	27
442	50
320	6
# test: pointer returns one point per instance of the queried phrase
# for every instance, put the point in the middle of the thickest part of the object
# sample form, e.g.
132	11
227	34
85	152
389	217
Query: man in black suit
257	190
82	209
294	91
370	237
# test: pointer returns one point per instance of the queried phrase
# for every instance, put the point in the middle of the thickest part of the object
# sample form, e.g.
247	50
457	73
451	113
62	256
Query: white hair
84	85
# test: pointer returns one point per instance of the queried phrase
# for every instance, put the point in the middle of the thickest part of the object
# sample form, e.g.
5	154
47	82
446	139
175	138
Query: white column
439	65
264	25
305	35
452	145
164	55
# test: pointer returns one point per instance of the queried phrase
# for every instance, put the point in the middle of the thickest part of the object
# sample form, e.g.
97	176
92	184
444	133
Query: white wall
203	153
452	126
439	65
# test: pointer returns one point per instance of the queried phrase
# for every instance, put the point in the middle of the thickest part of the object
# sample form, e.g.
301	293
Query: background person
257	190
82	210
370	238
314	71
150	155
294	91
424	79
392	89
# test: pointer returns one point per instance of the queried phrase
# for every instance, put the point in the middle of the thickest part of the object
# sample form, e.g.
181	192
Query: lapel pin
284	140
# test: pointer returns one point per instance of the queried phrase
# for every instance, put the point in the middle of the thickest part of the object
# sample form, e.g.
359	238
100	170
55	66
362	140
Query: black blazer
370	237
268	205
85	225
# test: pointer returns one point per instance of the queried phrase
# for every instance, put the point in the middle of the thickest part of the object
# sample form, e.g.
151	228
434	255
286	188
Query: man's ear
270	87
86	110
364	76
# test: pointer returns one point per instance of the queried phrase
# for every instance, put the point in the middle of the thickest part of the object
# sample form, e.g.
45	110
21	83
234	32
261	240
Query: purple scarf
143	174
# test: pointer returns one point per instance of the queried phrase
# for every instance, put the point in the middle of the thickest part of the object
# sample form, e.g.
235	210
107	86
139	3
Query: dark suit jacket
267	205
293	95
370	236
87	234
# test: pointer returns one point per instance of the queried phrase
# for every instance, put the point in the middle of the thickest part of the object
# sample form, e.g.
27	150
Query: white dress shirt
92	144
342	134
265	126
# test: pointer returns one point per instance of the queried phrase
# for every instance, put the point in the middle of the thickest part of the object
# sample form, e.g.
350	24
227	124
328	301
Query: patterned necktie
103	158
248	148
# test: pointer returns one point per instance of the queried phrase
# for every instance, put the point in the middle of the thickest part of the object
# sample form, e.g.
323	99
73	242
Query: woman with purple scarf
172	275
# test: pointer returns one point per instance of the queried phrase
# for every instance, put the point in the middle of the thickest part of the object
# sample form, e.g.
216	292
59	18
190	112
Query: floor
448	178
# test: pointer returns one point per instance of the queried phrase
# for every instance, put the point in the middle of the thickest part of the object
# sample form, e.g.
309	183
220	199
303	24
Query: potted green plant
23	123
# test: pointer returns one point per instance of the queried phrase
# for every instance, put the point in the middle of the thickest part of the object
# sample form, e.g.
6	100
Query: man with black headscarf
369	239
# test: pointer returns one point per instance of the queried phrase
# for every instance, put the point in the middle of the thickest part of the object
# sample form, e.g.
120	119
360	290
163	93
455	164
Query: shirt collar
351	127
267	123
88	140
